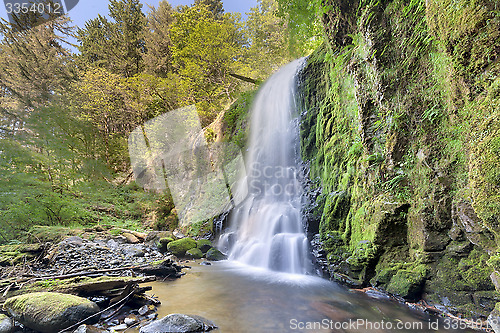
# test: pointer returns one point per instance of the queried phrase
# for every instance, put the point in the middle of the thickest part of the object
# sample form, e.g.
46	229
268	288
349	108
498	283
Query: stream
240	298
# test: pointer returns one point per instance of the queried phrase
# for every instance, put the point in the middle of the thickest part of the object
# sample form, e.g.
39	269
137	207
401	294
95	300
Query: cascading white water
266	228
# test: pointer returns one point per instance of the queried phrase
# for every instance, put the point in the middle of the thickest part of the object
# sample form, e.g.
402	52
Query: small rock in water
6	324
152	316
205	263
88	329
130	320
376	294
143	310
179	323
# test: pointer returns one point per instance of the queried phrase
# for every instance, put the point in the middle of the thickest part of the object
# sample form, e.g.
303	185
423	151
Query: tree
117	46
303	24
34	64
214	6
158	59
205	51
269	39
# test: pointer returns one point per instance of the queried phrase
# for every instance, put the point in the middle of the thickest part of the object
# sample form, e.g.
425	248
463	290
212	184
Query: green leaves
117	46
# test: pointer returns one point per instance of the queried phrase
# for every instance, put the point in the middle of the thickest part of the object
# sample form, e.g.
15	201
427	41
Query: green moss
200	229
215	255
408	282
234	121
194	253
53	303
203	243
180	246
163	243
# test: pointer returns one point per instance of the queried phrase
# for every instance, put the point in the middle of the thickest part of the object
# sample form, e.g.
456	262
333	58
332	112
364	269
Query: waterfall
266	229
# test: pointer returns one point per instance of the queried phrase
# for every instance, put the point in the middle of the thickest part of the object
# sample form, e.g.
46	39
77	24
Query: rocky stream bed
93	284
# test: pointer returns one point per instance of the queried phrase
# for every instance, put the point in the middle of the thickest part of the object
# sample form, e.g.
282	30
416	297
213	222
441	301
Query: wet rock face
50	312
179	323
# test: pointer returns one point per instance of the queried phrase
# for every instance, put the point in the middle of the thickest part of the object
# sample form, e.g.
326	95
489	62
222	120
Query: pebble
121	327
143	310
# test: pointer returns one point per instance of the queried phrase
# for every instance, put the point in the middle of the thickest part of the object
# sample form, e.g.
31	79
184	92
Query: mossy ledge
401	127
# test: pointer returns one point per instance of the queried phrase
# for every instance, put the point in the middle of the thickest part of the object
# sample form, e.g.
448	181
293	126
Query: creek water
243	299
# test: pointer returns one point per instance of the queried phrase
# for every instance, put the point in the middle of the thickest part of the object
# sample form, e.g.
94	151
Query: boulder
163	243
194	253
6	324
204	245
179	247
49	312
215	255
179	323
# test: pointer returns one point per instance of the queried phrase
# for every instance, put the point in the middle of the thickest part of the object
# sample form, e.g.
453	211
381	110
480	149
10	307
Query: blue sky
88	9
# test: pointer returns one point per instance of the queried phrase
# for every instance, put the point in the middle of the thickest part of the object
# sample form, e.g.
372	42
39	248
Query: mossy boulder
194	253
204	245
181	246
163	242
215	255
49	312
408	283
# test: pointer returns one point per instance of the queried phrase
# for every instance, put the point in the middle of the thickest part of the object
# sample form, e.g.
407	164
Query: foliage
117	45
268	39
303	24
205	51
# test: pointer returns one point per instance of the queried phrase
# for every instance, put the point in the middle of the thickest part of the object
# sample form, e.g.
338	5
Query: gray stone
89	329
133	251
121	327
75	240
48	312
6	324
179	323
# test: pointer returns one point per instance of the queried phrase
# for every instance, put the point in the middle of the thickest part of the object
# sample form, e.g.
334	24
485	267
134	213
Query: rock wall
400	125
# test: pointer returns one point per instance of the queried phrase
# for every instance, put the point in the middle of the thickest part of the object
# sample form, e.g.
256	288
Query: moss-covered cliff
401	125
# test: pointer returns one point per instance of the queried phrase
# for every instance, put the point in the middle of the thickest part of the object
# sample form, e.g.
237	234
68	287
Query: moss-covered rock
194	253
50	312
180	246
215	255
163	243
408	282
204	245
